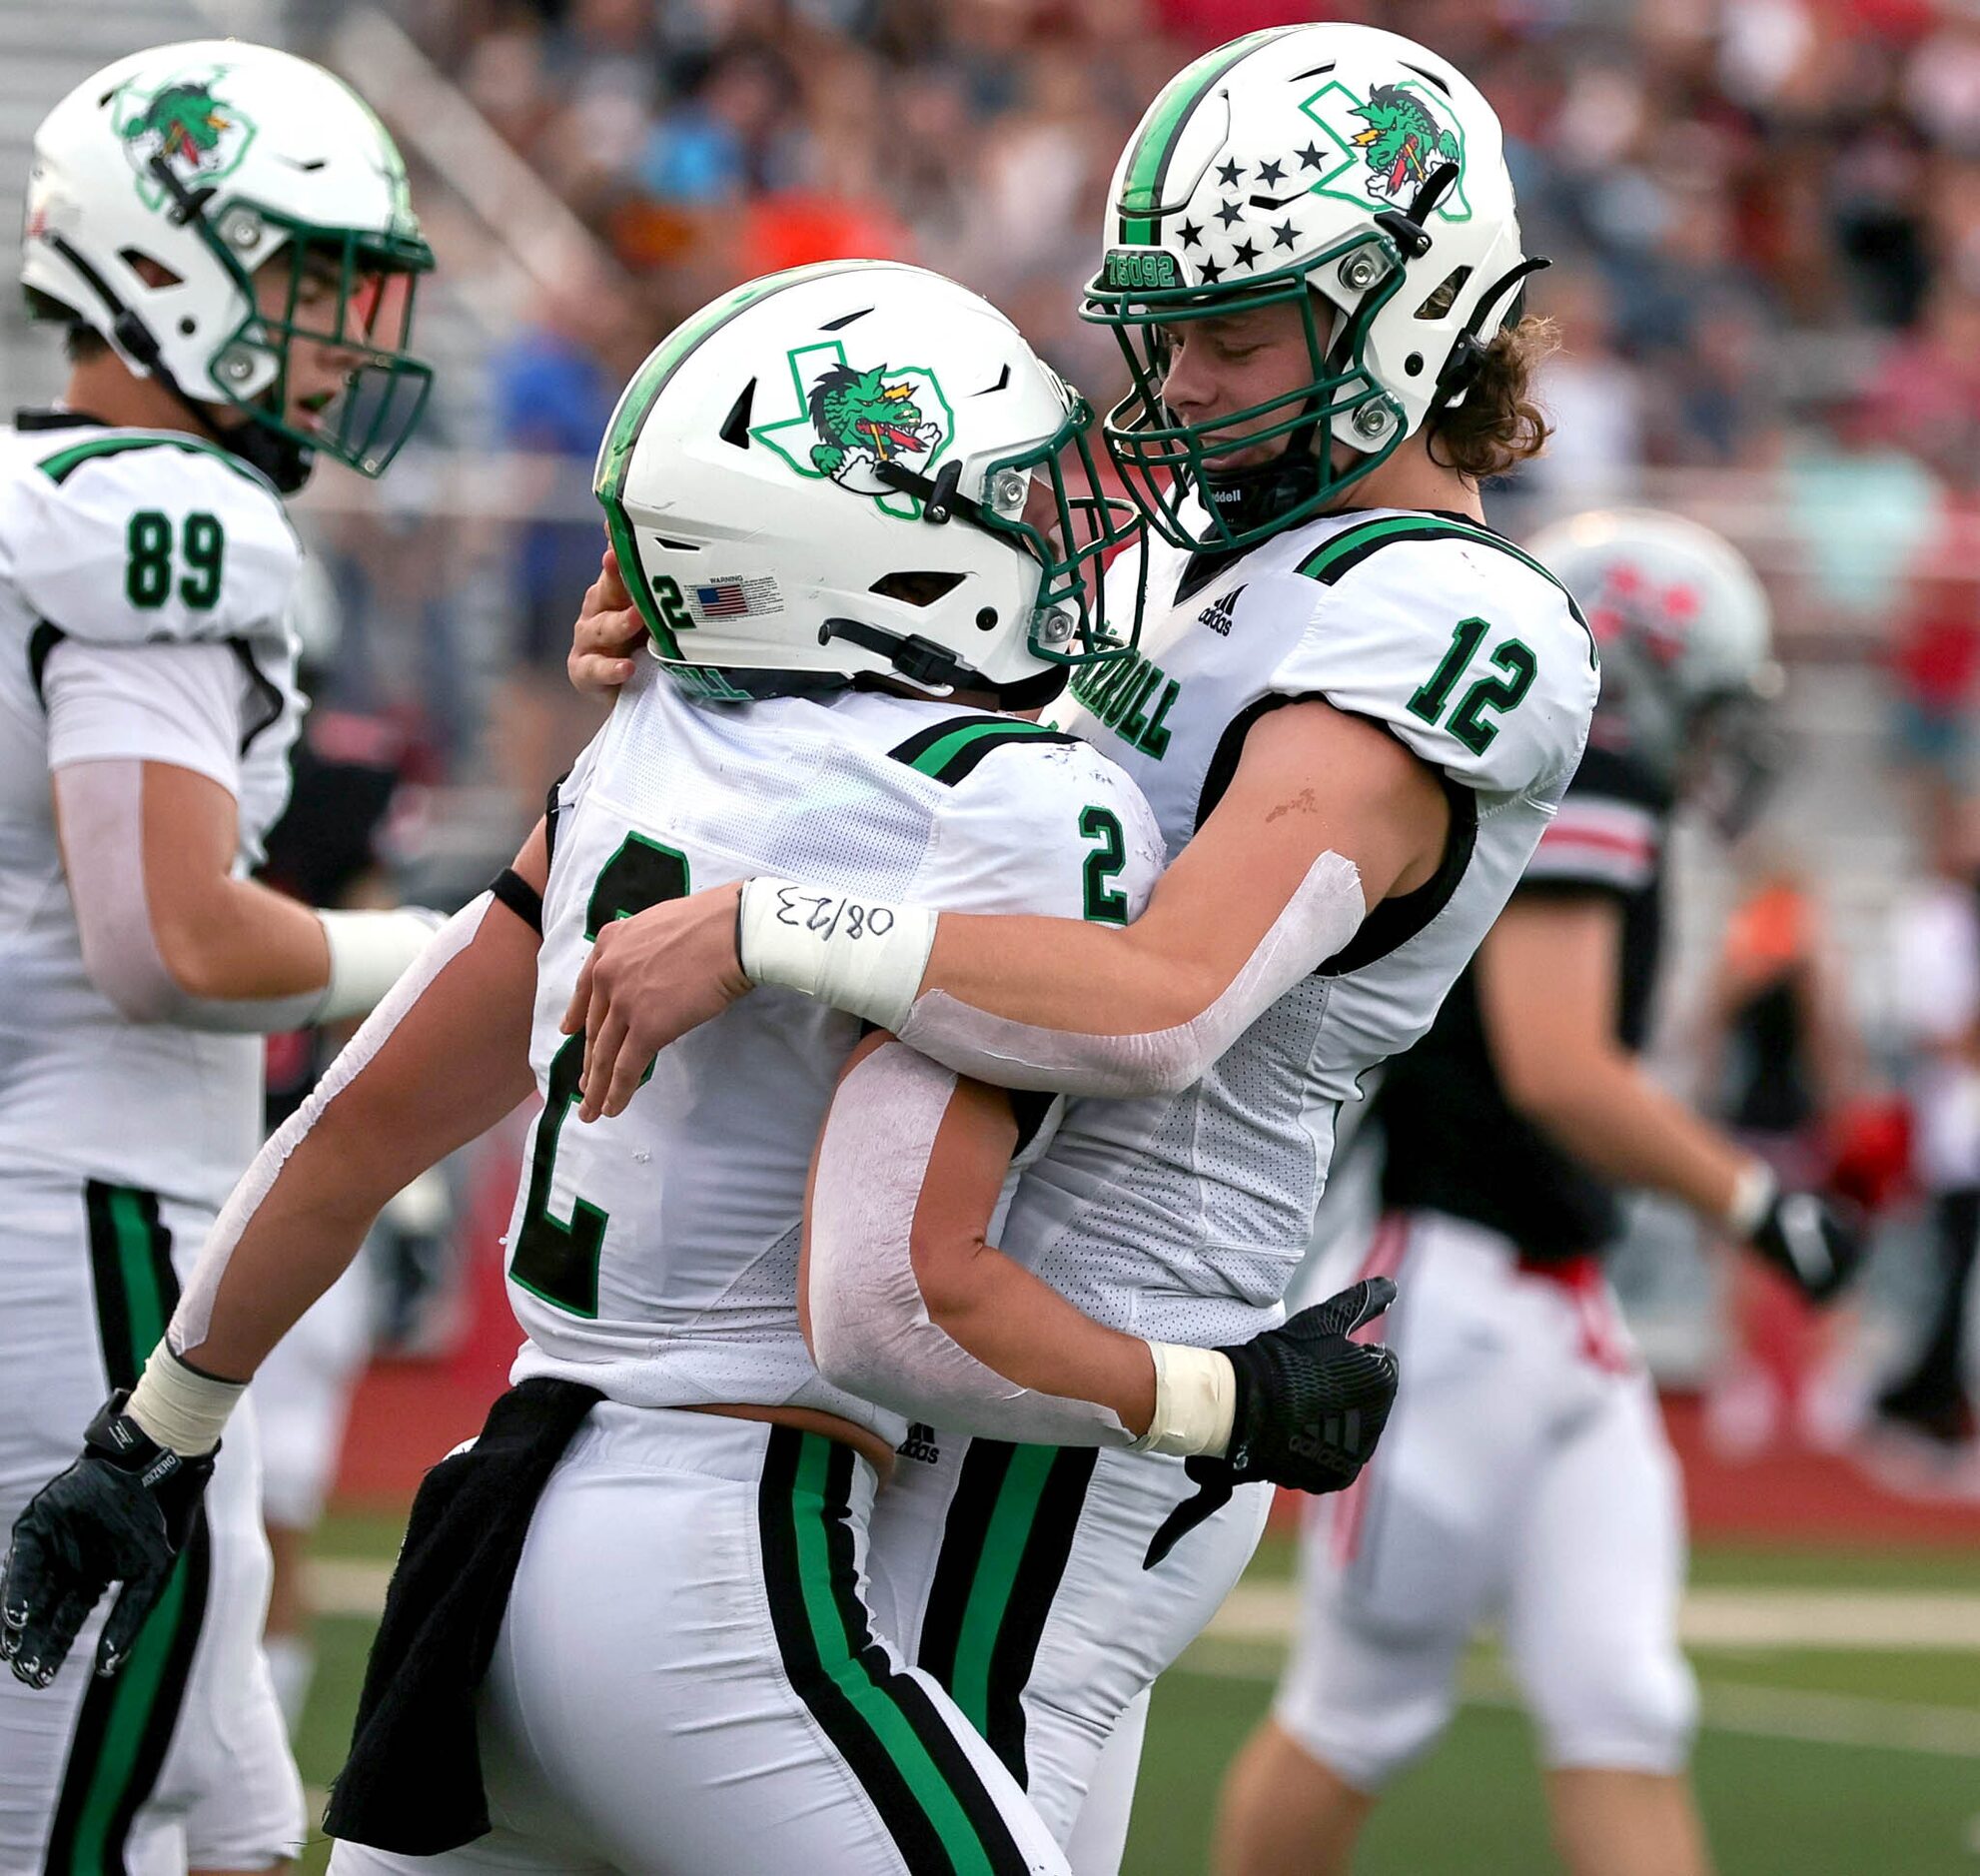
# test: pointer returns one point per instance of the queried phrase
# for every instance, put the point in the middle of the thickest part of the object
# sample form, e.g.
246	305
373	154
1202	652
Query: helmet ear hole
1444	296
152	272
916	589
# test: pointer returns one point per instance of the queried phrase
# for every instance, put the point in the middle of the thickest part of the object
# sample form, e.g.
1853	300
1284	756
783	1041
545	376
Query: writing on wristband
828	913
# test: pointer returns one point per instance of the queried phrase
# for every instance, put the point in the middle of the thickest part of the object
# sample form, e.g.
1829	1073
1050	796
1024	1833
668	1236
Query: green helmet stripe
635	405
1141	199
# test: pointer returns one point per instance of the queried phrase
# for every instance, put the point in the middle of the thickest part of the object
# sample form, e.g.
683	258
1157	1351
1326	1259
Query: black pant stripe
1040	1572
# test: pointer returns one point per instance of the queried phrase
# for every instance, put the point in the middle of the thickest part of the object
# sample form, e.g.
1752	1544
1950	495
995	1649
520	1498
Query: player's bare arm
1548	971
1326	814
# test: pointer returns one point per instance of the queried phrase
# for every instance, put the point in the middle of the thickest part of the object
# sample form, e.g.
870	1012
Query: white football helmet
1687	671
1348	171
858	468
206	159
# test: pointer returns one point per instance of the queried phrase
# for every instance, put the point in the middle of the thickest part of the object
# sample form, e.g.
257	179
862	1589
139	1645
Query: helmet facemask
373	276
1065	521
1164	462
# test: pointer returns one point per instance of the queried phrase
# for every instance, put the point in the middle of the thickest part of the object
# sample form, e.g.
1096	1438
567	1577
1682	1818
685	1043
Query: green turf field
1816	1761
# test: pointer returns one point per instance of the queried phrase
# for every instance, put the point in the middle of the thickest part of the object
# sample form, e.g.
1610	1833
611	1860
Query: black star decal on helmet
1309	158
1245	253
1229	213
1191	234
1270	171
1212	274
1283	236
1229	172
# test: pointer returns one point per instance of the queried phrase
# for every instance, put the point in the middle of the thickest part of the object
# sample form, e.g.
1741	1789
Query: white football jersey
112	541
1184	1217
654	1255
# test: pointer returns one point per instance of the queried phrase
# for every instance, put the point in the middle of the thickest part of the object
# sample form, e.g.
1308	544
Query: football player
1527	1474
226	234
694	1491
1354	708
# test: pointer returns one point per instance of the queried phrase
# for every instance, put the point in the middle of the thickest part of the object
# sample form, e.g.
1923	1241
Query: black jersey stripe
928	1794
41	645
125	1725
1396	920
952	748
1005	1547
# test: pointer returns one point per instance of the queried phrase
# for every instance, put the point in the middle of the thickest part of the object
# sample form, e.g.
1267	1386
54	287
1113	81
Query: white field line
1243	1644
1831	1719
1934	1621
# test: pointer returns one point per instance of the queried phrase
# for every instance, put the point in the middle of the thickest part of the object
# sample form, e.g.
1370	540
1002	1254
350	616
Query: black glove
1812	1241
1310	1406
120	1514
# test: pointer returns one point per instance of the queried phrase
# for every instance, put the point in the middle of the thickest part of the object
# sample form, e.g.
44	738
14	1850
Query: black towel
413	1782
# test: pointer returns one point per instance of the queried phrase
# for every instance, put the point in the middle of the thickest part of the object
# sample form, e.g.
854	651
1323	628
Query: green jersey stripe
64	462
1347	550
1141	196
950	750
126	1724
879	1720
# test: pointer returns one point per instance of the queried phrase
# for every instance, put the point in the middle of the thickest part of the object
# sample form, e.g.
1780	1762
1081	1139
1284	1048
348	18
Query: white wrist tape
1196	1397
184	1411
368	953
1752	1192
857	954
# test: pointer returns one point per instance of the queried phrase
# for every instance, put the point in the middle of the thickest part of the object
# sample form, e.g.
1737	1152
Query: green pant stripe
126	1724
888	1724
997	1564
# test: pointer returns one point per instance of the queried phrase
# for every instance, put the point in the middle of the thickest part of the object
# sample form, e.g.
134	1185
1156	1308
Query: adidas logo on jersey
920	1443
1218	613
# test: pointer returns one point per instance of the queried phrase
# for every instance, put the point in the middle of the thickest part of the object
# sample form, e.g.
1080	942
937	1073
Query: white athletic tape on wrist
1324	912
857	954
194	1315
1196	1397
1752	1192
368	953
868	1324
184	1411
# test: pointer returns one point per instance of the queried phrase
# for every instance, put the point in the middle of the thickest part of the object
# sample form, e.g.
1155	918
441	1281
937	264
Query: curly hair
1499	423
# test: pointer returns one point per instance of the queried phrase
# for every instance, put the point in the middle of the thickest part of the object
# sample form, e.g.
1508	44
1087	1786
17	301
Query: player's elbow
1553	1089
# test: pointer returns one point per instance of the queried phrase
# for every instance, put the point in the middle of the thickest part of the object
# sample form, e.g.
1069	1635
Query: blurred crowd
1764	217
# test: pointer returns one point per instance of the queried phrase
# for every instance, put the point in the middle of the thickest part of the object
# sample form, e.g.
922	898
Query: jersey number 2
553	1260
1468	722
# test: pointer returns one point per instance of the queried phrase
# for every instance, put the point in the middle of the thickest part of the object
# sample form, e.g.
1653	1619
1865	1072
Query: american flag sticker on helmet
734	598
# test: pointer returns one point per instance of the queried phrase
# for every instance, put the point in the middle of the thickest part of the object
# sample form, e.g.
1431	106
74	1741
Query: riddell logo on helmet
1390	142
859	421
184	122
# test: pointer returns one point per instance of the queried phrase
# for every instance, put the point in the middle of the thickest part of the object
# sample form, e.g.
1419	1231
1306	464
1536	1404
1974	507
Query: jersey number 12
1467	721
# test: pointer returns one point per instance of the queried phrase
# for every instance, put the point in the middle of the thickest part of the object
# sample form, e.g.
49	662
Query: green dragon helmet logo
200	136
1402	141
855	420
1388	143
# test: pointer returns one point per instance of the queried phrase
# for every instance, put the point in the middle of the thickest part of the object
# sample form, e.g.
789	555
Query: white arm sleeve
870	1328
101	805
1324	912
194	1315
